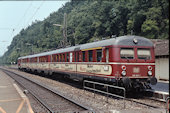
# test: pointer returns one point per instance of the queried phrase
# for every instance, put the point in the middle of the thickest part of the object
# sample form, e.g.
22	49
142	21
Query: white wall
162	68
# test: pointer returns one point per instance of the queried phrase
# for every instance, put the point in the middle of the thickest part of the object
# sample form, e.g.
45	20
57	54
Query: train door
76	59
107	55
71	57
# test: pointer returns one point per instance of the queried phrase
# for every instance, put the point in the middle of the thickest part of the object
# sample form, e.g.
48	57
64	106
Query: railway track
157	95
152	96
51	100
138	99
145	102
149	94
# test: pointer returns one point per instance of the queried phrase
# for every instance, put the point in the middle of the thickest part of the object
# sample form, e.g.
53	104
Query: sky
16	15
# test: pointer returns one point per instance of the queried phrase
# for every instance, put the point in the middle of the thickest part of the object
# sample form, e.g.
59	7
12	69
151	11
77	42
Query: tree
150	29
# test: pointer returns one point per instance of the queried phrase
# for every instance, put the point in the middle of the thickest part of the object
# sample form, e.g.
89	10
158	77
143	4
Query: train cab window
99	55
127	53
83	56
90	55
144	53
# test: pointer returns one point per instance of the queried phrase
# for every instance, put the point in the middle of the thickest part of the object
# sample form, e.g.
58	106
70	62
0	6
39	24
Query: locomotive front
134	62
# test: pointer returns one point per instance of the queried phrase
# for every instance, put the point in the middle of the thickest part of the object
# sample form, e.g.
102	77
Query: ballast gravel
96	102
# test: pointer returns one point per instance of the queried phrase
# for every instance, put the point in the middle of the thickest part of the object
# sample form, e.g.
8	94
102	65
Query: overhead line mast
65	30
63	43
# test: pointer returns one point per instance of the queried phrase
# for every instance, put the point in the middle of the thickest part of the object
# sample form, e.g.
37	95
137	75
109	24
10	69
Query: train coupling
126	81
152	80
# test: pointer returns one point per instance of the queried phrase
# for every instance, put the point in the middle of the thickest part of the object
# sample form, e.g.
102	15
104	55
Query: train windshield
127	53
144	53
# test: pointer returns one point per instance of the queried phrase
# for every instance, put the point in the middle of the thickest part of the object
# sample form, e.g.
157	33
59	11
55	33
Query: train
126	61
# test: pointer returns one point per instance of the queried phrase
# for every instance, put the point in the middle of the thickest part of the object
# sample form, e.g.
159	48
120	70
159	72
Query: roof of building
161	47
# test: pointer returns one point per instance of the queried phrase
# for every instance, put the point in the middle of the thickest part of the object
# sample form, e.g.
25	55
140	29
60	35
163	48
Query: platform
161	86
12	100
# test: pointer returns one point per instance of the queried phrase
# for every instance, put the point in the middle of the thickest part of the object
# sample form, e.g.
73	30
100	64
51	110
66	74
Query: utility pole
64	27
65	30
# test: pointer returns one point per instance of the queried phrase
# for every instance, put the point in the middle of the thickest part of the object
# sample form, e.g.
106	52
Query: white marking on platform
3	86
19	91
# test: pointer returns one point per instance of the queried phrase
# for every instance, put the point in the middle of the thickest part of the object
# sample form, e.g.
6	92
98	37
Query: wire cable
14	29
35	12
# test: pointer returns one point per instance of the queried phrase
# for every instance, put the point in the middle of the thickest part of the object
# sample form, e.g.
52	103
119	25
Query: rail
31	92
51	90
107	89
157	95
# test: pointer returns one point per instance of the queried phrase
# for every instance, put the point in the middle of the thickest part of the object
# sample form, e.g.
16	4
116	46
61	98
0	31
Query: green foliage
150	28
92	20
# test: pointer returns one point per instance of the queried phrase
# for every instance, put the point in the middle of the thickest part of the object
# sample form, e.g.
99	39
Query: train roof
122	40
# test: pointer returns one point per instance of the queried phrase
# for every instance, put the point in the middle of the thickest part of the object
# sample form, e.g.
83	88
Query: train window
67	57
60	57
83	56
63	57
99	55
90	55
77	56
127	53
53	58
56	58
143	53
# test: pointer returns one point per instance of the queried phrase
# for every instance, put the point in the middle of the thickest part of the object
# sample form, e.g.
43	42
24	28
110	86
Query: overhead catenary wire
22	18
35	12
25	13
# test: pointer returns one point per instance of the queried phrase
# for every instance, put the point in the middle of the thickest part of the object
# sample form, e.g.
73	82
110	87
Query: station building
161	59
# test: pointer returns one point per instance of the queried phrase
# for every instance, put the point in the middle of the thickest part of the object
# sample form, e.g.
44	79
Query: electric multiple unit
127	61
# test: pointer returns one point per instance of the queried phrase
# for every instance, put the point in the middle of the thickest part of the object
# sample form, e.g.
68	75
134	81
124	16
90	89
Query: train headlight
124	68
149	67
149	73
123	73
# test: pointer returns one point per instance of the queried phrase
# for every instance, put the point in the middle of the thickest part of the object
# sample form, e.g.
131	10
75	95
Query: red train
127	61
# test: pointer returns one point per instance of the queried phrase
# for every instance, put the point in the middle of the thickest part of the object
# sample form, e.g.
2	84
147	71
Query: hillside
92	20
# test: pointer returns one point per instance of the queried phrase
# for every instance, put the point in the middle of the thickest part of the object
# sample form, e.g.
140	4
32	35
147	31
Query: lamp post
64	27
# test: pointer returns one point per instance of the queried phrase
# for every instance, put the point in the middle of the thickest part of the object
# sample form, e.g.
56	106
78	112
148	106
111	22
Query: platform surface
12	100
161	86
